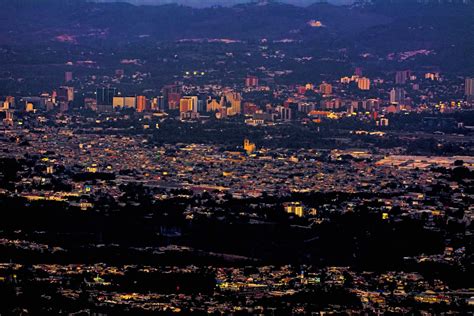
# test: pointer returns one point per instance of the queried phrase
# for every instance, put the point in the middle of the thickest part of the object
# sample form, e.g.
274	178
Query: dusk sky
205	3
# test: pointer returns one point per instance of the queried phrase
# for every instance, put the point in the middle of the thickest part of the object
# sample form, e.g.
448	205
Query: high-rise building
11	101
90	103
358	71
8	118
398	96
402	76
325	88
233	102
63	106
66	94
68	76
212	105
124	102
188	104
158	103
173	100
363	83
251	81
141	103
118	102
172	95
202	105
469	88
285	113
105	98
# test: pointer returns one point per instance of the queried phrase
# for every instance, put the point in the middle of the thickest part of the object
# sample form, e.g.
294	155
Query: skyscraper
398	96
233	102
172	95
68	76
105	98
363	83
212	105
66	94
285	113
141	103
173	100
8	120
401	77
325	88
251	81
158	103
188	104
469	88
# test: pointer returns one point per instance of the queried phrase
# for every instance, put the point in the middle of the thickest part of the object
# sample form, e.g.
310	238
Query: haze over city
246	158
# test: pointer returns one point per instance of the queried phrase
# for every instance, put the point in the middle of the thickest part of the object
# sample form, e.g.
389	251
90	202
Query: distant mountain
81	21
442	29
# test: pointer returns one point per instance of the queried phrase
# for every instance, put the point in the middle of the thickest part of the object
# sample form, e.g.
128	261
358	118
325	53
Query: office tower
130	102
105	98
469	88
285	113
90	103
66	94
251	81
141	103
161	103
63	106
363	83
188	104
213	105
11	101
398	96
124	102
118	102
325	88
358	71
402	76
173	100
373	105
172	95
8	118
233	102
158	103
202	103
68	76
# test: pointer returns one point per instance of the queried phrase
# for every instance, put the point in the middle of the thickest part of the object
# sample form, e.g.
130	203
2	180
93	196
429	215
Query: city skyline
257	159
